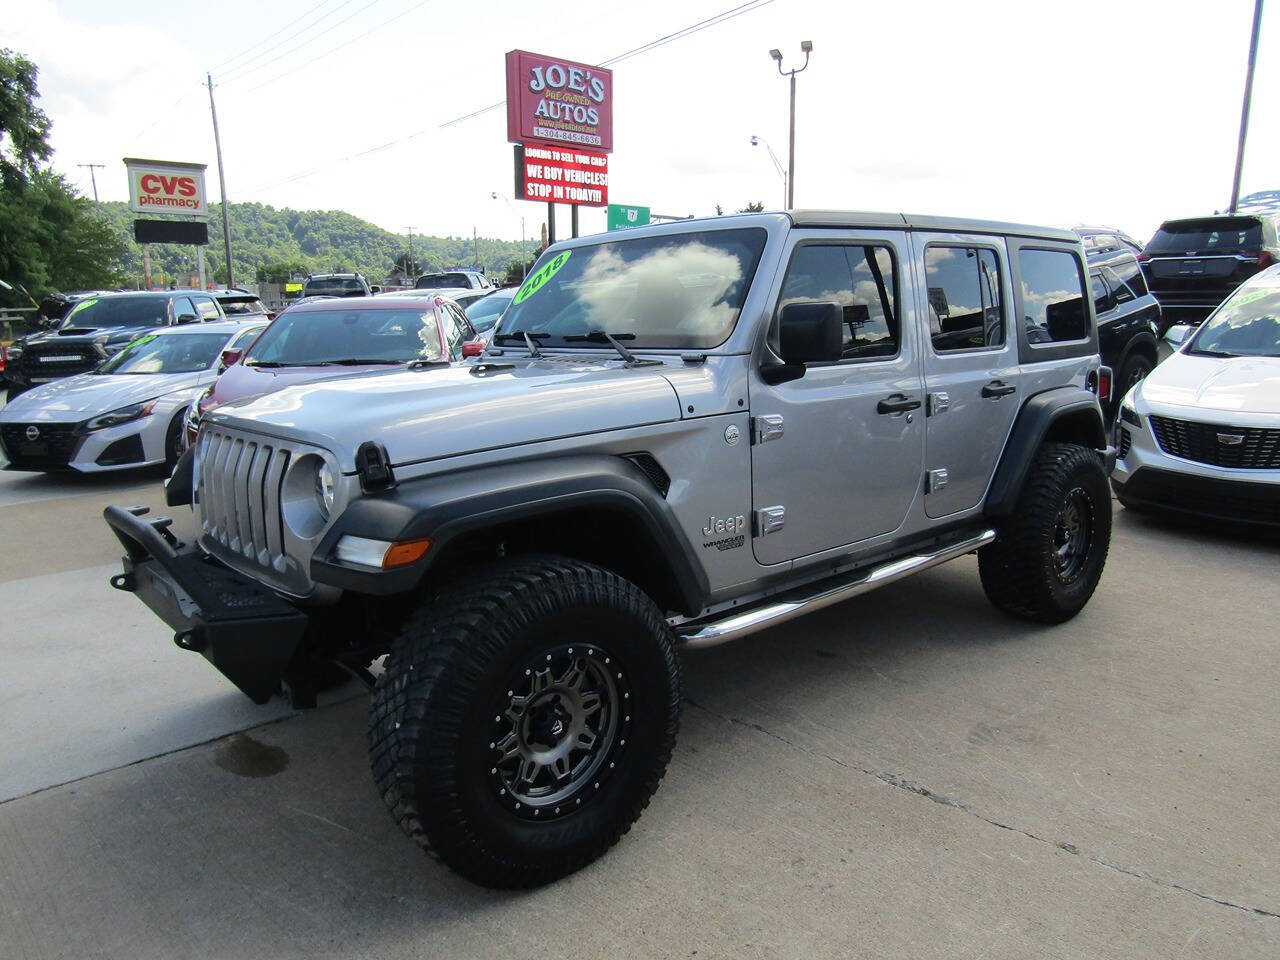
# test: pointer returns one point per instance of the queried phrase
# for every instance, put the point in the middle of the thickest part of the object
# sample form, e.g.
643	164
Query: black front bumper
1253	504
249	633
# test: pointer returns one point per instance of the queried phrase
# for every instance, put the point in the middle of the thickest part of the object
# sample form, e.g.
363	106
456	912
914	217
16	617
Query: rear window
443	281
1219	235
241	305
333	287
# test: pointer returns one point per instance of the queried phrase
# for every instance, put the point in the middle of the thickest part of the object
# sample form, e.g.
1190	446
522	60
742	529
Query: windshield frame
752	239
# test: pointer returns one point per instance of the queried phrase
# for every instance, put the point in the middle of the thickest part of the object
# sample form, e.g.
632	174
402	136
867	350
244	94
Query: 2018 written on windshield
559	175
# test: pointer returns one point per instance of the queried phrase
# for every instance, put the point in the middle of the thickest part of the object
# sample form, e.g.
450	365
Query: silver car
1201	434
125	414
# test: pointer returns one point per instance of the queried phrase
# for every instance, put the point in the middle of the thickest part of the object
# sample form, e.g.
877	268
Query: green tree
24	127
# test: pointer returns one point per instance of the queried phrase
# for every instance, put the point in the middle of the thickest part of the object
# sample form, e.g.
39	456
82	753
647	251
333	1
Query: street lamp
524	261
806	47
777	164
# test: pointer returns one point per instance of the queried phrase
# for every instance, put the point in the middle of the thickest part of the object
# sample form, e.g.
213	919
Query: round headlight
326	487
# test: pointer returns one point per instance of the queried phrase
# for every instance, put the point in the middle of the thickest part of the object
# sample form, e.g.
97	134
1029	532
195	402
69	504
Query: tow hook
189	640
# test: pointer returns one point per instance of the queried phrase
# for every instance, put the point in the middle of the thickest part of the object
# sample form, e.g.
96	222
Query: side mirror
230	356
374	290
811	333
472	348
186	318
1177	335
44	323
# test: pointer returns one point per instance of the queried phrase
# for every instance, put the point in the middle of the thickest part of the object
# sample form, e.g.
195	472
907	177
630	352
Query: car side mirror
472	348
1177	335
807	333
373	290
186	318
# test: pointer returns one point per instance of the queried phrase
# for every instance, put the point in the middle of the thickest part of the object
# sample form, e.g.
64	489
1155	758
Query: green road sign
621	217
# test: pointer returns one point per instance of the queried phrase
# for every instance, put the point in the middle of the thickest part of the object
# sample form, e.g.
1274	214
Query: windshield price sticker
539	279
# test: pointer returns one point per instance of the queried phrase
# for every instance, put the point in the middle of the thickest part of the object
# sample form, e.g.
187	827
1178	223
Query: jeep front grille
1240	448
239	491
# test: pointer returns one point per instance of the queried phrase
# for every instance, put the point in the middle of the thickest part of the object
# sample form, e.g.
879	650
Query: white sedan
1201	434
125	414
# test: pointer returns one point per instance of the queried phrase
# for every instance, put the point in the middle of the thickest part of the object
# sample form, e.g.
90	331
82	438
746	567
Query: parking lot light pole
777	164
1244	111
806	47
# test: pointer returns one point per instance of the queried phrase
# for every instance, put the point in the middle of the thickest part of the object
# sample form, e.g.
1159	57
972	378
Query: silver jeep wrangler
681	434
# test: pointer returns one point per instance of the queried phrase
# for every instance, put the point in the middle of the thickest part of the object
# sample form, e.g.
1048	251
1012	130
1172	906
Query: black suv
1128	319
97	327
1192	265
336	285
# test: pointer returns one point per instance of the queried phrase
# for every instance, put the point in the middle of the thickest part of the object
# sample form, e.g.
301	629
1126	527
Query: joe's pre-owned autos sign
554	100
163	186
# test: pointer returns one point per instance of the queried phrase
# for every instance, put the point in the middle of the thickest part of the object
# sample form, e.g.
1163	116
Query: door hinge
935	481
939	402
769	520
766	428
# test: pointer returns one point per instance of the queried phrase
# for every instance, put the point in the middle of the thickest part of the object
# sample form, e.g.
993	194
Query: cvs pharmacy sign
161	186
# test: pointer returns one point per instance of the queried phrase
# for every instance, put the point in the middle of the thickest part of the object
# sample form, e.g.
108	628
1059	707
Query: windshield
333	287
250	305
1221	235
443	281
484	313
679	291
119	312
1244	326
317	337
175	353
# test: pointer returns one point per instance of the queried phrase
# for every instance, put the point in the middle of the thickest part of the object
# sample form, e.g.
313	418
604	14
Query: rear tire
525	718
1049	555
1134	371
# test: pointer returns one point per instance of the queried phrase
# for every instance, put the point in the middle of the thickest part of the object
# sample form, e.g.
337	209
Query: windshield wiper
363	361
1197	352
599	336
264	363
527	337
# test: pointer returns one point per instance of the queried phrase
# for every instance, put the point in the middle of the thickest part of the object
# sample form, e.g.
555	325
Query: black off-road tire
438	717
1022	571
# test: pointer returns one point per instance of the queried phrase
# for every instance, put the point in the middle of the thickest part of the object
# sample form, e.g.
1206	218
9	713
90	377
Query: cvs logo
155	183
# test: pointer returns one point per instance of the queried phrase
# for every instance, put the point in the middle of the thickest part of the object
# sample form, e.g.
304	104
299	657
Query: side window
1126	280
242	339
453	335
207	308
862	280
1052	296
1102	298
181	307
465	330
965	309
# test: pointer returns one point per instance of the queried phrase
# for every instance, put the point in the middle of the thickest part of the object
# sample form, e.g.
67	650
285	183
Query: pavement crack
910	786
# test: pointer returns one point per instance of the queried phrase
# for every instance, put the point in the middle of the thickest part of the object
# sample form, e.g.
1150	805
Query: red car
330	338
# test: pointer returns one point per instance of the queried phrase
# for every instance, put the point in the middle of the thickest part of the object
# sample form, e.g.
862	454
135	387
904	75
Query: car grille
53	362
1258	448
1126	441
51	450
239	491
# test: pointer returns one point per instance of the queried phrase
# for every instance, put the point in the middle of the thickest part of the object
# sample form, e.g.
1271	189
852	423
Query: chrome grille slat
257	517
244	524
275	521
227	482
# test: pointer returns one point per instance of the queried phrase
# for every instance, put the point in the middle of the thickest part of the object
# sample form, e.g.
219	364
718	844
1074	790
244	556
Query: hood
431	413
77	398
241	382
77	334
1235	384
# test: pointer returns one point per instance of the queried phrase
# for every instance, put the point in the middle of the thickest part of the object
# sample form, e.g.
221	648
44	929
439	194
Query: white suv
1201	434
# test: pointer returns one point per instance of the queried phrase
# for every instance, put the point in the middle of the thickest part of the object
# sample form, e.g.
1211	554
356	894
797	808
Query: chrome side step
697	635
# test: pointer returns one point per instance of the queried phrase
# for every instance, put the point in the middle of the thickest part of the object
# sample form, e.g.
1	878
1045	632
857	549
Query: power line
287	26
310	40
164	114
723	17
345	43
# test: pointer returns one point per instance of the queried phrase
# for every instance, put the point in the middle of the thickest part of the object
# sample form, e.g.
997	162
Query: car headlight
135	411
1129	412
326	487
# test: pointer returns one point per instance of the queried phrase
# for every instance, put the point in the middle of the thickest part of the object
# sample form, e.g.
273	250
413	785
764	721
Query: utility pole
806	47
92	178
410	267
222	183
1248	96
475	241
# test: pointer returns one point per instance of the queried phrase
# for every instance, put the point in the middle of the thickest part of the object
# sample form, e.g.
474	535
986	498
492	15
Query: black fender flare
446	506
1033	423
1137	341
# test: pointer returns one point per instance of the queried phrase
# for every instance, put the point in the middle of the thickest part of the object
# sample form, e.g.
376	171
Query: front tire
525	718
1049	555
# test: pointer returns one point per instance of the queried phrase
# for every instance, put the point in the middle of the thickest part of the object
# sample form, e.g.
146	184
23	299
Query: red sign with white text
553	174
559	101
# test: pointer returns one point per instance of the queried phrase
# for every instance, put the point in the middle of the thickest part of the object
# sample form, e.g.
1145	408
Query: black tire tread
1012	567
451	635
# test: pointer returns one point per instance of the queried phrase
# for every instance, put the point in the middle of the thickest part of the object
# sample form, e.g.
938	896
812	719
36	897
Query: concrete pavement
911	774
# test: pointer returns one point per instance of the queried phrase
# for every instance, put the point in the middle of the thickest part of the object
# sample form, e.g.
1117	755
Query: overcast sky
1124	113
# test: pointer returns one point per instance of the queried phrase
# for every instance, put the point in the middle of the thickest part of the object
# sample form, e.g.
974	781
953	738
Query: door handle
997	388
897	403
